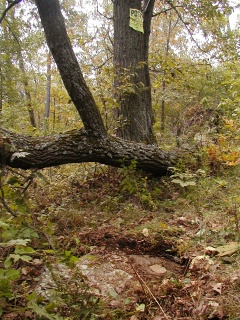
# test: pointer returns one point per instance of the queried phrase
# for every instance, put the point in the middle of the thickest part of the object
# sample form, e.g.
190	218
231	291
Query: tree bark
75	146
164	75
62	51
1	90
132	81
48	92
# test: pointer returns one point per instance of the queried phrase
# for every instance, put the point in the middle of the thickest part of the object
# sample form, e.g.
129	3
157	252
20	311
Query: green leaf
26	258
189	183
178	181
20	242
29	233
6	293
50	251
15	257
74	259
113	293
3	225
50	307
77	240
67	253
12	274
22	250
40	311
184	183
140	307
7	263
126	301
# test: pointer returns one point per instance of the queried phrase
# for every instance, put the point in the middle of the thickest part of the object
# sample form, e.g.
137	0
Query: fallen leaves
228	249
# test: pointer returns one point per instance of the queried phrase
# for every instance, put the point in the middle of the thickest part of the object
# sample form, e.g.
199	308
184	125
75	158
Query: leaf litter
147	268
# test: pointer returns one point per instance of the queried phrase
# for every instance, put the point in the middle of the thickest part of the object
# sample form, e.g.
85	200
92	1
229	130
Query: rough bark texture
63	54
48	87
132	81
77	146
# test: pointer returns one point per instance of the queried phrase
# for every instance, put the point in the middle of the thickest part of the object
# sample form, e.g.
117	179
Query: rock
145	232
157	268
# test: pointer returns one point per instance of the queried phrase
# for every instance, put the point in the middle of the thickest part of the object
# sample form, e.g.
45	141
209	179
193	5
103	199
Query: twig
27	181
165	11
15	172
103	15
4	203
144	285
187	267
45	236
139	278
6	206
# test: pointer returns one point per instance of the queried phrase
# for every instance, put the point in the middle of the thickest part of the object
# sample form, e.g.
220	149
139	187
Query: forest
120	155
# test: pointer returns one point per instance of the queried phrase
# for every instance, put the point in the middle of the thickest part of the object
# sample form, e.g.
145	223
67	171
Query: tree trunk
1	91
164	75
26	87
76	147
62	52
132	81
48	92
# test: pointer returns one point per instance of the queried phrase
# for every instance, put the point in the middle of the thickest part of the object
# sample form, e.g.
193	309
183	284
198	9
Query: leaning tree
135	140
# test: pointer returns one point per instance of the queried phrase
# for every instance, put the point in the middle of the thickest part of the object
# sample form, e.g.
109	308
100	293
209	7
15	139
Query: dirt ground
148	280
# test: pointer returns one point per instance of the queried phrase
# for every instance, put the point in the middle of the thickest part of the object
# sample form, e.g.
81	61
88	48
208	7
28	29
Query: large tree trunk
63	54
76	147
132	81
1	90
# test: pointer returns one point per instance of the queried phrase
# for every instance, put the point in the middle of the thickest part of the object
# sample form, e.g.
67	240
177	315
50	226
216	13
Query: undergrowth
44	215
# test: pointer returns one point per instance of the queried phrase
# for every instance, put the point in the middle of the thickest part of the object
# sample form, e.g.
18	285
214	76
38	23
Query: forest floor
116	244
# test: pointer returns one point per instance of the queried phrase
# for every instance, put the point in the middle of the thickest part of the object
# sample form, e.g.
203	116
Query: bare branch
11	4
103	15
2	198
165	11
185	24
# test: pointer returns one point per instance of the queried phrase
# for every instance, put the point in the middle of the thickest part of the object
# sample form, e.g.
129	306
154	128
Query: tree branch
165	11
11	4
101	14
185	24
64	56
25	152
